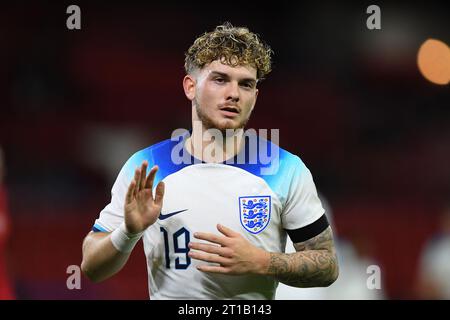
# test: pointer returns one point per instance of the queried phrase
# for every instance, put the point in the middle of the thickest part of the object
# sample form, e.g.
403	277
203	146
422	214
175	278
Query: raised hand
141	208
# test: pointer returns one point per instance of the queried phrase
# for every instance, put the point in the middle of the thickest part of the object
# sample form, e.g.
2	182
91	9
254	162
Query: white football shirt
263	206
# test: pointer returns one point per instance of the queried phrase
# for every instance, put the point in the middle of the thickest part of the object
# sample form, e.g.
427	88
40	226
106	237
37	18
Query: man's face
224	95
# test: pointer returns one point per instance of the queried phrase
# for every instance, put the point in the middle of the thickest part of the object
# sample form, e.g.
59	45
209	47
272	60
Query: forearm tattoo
313	265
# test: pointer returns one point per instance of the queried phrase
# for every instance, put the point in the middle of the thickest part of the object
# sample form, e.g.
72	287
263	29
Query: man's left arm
313	265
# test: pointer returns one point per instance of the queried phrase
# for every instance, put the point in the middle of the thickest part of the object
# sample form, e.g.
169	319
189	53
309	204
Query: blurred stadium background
350	101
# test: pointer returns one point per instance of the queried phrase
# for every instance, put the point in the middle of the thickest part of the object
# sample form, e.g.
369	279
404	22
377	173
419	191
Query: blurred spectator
5	287
352	281
114	143
434	273
354	258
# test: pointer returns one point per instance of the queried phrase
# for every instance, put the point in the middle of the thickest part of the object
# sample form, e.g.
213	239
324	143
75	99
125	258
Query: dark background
349	101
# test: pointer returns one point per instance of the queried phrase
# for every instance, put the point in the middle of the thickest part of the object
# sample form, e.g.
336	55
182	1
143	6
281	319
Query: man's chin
222	124
228	125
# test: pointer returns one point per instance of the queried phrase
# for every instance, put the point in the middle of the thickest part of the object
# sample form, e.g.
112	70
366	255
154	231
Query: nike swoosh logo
165	216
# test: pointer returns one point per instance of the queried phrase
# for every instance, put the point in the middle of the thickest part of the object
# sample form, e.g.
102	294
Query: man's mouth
230	109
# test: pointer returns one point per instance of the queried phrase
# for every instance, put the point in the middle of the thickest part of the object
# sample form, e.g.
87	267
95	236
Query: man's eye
247	85
219	80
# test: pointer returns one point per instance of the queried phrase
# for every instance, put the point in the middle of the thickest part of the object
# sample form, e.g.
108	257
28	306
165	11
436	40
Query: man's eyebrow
224	75
217	73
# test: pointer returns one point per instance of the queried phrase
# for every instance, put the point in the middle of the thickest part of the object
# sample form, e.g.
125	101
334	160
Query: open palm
141	208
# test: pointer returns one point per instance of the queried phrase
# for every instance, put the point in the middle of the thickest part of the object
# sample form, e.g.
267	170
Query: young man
221	230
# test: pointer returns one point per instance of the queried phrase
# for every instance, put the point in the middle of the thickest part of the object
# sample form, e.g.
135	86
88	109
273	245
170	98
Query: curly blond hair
234	46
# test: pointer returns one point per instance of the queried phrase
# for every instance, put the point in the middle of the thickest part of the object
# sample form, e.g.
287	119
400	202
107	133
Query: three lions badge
254	212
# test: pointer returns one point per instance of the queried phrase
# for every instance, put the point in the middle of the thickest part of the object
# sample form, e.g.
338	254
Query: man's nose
233	91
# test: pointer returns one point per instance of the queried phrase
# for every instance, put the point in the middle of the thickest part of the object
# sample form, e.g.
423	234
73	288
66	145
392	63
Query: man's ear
189	86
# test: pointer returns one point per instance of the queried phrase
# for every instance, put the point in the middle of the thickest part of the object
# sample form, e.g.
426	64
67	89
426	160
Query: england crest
254	212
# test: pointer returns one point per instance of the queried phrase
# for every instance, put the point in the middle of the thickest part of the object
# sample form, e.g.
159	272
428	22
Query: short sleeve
303	215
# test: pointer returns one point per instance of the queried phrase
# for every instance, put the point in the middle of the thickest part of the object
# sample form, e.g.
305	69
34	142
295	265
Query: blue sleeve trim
97	228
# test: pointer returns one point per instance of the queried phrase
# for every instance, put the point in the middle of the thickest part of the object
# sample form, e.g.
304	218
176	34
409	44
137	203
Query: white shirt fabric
240	196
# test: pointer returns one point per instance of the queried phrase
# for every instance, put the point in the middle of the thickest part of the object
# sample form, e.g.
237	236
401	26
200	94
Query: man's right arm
105	254
101	259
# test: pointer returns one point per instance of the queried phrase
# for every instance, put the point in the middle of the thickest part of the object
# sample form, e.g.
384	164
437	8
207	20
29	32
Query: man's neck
212	145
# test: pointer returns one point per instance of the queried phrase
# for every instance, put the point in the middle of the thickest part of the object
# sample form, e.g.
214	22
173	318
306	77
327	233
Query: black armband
309	231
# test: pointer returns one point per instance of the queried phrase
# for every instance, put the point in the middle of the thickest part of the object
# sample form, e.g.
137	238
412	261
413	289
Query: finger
208	257
159	193
143	174
210	248
151	178
137	175
214	269
130	193
210	237
227	231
